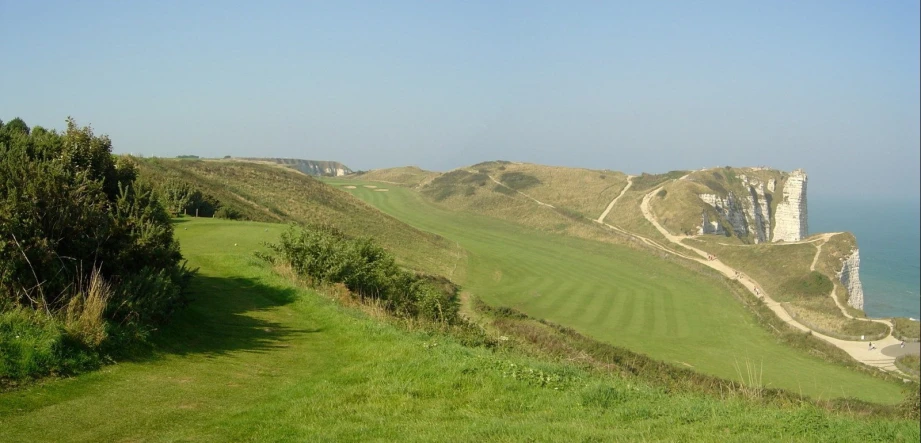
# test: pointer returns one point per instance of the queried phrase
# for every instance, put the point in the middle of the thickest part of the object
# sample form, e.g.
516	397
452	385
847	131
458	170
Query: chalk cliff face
790	221
758	209
849	276
750	214
310	167
730	209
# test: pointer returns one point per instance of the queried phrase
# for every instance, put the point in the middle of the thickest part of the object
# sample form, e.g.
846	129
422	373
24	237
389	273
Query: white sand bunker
349	187
370	186
381	190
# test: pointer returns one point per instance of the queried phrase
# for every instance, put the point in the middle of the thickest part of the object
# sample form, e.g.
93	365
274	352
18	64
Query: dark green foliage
187	157
504	190
228	212
454	182
518	180
15	126
67	207
813	284
325	255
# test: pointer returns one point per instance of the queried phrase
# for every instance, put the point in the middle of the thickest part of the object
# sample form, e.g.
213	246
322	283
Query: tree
16	125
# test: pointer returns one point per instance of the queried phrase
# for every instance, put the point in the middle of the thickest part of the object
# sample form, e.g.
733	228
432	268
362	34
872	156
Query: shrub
813	284
324	255
228	212
77	232
519	181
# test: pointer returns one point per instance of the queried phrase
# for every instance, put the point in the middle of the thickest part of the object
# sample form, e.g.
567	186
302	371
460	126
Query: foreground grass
255	358
625	297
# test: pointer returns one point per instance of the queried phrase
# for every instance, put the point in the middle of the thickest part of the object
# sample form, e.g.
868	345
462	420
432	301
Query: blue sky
829	86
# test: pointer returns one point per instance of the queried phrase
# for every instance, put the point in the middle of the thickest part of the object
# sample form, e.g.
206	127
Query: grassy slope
254	358
577	195
409	176
273	193
625	297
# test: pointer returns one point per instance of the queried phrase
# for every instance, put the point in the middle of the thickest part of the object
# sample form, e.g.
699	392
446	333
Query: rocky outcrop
758	209
730	210
790	221
750	214
708	226
849	276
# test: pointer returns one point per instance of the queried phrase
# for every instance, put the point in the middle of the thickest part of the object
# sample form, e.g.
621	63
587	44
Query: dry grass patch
409	176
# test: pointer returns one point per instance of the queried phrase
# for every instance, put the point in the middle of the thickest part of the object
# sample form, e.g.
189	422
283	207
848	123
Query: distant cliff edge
309	167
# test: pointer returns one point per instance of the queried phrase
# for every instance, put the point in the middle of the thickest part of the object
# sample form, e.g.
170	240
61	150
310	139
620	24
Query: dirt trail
611	205
858	350
824	239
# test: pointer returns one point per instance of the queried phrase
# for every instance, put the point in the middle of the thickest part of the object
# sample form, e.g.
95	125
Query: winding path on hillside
858	350
818	246
611	205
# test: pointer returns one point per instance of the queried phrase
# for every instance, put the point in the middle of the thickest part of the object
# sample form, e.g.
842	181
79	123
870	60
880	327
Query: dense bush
74	220
325	255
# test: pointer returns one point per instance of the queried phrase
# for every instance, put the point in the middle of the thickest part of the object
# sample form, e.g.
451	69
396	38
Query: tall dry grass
84	316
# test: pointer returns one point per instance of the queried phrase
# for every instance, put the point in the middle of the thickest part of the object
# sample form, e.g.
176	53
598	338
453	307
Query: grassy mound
409	176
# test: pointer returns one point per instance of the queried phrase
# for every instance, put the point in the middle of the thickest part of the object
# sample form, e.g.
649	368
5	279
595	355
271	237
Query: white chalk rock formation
710	227
790	221
731	211
849	276
757	209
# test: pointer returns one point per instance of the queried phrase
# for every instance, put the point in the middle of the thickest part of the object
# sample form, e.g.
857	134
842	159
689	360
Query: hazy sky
829	86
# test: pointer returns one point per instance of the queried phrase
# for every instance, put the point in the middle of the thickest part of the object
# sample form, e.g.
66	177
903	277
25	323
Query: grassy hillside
630	298
409	176
549	199
256	358
581	191
272	194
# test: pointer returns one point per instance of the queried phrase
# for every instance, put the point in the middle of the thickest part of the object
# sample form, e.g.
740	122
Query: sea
889	237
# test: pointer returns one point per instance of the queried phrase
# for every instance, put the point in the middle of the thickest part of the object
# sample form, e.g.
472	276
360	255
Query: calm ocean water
889	237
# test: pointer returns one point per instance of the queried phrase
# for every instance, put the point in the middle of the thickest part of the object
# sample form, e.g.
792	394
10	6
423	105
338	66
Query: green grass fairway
255	359
624	297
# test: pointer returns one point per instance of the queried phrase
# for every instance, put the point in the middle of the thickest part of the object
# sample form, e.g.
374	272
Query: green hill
409	176
262	192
